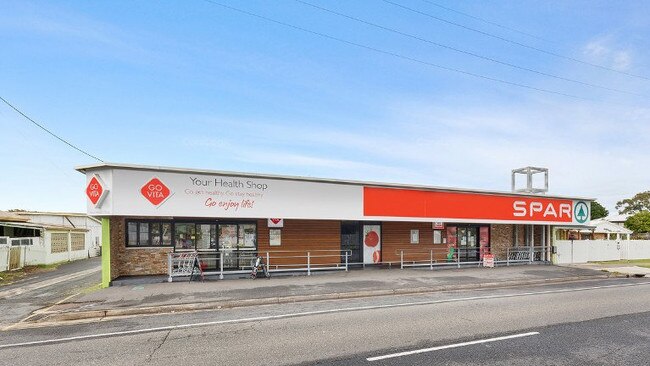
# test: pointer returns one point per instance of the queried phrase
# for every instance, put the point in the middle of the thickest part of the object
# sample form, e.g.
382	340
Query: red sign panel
393	202
155	191
94	190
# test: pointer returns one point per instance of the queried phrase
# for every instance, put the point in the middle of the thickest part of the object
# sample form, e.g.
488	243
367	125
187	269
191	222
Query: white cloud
591	150
606	51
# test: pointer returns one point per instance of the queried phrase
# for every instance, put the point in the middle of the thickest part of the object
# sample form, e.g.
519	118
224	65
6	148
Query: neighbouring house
31	238
618	219
599	229
607	230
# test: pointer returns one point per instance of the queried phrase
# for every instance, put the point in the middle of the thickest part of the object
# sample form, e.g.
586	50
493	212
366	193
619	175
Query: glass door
228	244
468	244
206	245
246	244
238	243
351	240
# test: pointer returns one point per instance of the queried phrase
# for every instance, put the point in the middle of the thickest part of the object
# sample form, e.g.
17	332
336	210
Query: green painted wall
106	252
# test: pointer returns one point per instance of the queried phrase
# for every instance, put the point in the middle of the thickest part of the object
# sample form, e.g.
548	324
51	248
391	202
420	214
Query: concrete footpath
180	296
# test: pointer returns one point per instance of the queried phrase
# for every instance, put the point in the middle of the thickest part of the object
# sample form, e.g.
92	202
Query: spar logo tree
581	212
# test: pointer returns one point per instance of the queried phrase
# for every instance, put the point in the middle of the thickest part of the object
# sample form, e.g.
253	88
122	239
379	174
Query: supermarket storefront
148	212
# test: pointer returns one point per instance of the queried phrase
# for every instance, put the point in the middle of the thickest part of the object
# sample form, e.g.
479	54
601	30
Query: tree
639	223
640	202
598	211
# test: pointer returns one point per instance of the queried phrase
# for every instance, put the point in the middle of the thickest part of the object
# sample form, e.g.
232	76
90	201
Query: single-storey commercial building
149	212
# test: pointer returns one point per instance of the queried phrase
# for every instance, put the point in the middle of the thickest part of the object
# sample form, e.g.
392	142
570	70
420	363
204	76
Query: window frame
150	223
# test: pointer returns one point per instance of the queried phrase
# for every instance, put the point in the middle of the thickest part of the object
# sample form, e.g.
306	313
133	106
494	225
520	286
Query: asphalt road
590	322
15	307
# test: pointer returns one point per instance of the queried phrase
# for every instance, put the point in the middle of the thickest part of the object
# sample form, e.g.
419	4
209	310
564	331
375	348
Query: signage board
437	225
410	203
161	193
488	260
275	223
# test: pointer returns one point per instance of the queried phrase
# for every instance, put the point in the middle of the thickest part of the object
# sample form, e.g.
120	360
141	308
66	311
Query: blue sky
193	84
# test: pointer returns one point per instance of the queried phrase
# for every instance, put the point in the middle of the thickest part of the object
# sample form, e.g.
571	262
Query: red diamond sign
94	190
155	191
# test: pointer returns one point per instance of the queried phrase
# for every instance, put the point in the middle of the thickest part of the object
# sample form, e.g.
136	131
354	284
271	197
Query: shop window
437	237
275	237
415	236
148	234
77	241
59	243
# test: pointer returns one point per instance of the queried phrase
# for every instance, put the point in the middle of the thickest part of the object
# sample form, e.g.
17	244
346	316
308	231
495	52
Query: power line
48	131
465	52
396	55
488	21
515	42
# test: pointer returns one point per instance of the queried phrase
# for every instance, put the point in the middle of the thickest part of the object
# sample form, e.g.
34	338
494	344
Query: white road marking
456	345
305	313
53	281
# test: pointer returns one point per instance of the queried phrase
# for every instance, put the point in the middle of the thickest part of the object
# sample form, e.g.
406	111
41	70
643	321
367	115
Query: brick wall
501	237
134	261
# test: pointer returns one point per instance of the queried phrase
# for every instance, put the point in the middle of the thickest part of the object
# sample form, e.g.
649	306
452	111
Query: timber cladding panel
322	238
396	236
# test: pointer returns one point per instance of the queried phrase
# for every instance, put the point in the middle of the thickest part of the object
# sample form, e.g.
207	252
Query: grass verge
9	277
635	262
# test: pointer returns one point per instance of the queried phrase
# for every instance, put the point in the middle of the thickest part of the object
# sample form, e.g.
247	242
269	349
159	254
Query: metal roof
84	168
12	216
29	225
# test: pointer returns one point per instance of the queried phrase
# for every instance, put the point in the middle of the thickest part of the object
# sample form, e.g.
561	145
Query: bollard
169	266
221	265
268	261
308	264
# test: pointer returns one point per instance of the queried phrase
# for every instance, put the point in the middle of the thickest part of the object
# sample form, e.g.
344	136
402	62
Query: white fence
14	251
583	251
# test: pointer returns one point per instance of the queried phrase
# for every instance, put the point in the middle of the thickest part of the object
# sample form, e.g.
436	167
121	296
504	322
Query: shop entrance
363	240
468	249
238	243
351	240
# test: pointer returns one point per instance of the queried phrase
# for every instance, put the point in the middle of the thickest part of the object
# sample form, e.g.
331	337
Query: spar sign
478	207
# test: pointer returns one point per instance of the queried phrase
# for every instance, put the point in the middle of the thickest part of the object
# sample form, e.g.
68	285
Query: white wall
583	251
40	252
93	235
4	258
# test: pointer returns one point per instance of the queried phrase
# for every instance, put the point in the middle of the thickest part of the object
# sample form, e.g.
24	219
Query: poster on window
451	243
484	240
371	244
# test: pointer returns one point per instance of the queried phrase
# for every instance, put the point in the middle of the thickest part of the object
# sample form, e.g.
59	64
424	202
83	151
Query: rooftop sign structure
530	172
